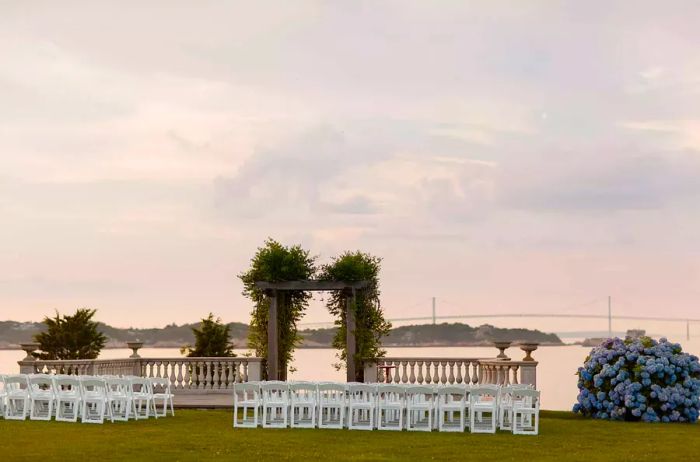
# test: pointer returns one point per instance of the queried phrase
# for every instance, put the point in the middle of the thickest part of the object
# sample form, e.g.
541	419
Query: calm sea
555	372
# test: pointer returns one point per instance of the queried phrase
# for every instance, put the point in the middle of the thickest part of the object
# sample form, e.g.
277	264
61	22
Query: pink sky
514	158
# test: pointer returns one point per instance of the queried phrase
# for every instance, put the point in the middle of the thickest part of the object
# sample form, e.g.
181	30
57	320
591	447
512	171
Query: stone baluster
208	379
178	383
412	377
234	373
404	376
428	374
187	379
201	384
515	374
443	375
214	375
244	371
420	372
458	377
397	377
436	372
451	377
173	377
219	376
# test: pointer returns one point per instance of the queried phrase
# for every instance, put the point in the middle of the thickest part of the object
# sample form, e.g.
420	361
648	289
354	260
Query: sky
503	157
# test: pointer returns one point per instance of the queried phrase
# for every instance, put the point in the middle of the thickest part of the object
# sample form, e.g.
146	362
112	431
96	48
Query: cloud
355	205
643	182
501	142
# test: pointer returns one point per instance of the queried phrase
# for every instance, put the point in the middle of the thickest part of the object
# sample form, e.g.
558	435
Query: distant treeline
173	336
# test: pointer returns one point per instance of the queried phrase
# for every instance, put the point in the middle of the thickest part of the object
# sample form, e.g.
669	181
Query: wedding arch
275	292
280	281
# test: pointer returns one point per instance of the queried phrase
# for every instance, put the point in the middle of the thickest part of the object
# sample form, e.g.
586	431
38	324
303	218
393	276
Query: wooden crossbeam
311	285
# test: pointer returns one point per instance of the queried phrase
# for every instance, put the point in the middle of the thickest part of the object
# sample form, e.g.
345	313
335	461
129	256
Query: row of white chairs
90	398
362	406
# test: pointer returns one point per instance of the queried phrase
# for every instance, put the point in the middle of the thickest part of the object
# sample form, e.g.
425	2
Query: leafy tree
275	262
211	339
71	337
370	325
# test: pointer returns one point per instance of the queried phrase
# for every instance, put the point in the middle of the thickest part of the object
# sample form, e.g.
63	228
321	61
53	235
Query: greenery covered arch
278	282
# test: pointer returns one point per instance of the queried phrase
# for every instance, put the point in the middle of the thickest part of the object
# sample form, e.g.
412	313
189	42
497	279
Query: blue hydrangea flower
640	379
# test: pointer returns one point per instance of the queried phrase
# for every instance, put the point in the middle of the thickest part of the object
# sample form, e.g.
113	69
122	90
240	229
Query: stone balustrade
203	375
422	370
505	372
499	370
187	375
450	371
218	375
80	367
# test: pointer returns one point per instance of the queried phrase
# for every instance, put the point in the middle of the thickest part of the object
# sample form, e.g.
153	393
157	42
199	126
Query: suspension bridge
434	318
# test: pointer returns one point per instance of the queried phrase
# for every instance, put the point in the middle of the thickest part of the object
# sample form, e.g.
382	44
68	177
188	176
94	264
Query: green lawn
208	435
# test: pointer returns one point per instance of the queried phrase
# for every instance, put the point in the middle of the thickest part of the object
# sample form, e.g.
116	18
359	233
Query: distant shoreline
321	347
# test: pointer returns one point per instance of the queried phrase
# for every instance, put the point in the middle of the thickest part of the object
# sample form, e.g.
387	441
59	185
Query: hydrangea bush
639	379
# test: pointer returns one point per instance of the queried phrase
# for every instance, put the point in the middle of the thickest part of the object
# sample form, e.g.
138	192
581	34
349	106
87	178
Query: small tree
71	337
211	339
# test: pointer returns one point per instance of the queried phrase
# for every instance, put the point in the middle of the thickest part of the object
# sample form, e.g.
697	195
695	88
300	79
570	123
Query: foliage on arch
275	262
370	325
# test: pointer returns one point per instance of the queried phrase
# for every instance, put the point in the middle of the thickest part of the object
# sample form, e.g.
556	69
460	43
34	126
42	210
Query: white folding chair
391	401
303	402
95	405
3	395
275	402
362	403
331	405
68	397
16	396
483	409
505	405
41	396
452	408
246	397
119	397
161	392
420	407
141	397
526	412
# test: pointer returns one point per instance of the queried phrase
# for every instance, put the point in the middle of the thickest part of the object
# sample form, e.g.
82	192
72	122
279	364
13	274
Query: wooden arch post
272	337
350	342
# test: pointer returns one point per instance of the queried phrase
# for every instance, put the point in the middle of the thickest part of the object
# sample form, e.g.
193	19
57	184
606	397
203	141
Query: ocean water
555	372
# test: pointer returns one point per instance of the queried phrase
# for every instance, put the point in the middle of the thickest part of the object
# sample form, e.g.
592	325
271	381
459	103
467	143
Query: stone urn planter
29	348
528	348
135	348
502	347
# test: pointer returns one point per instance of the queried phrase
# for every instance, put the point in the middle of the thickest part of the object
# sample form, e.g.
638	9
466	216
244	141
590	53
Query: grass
208	435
